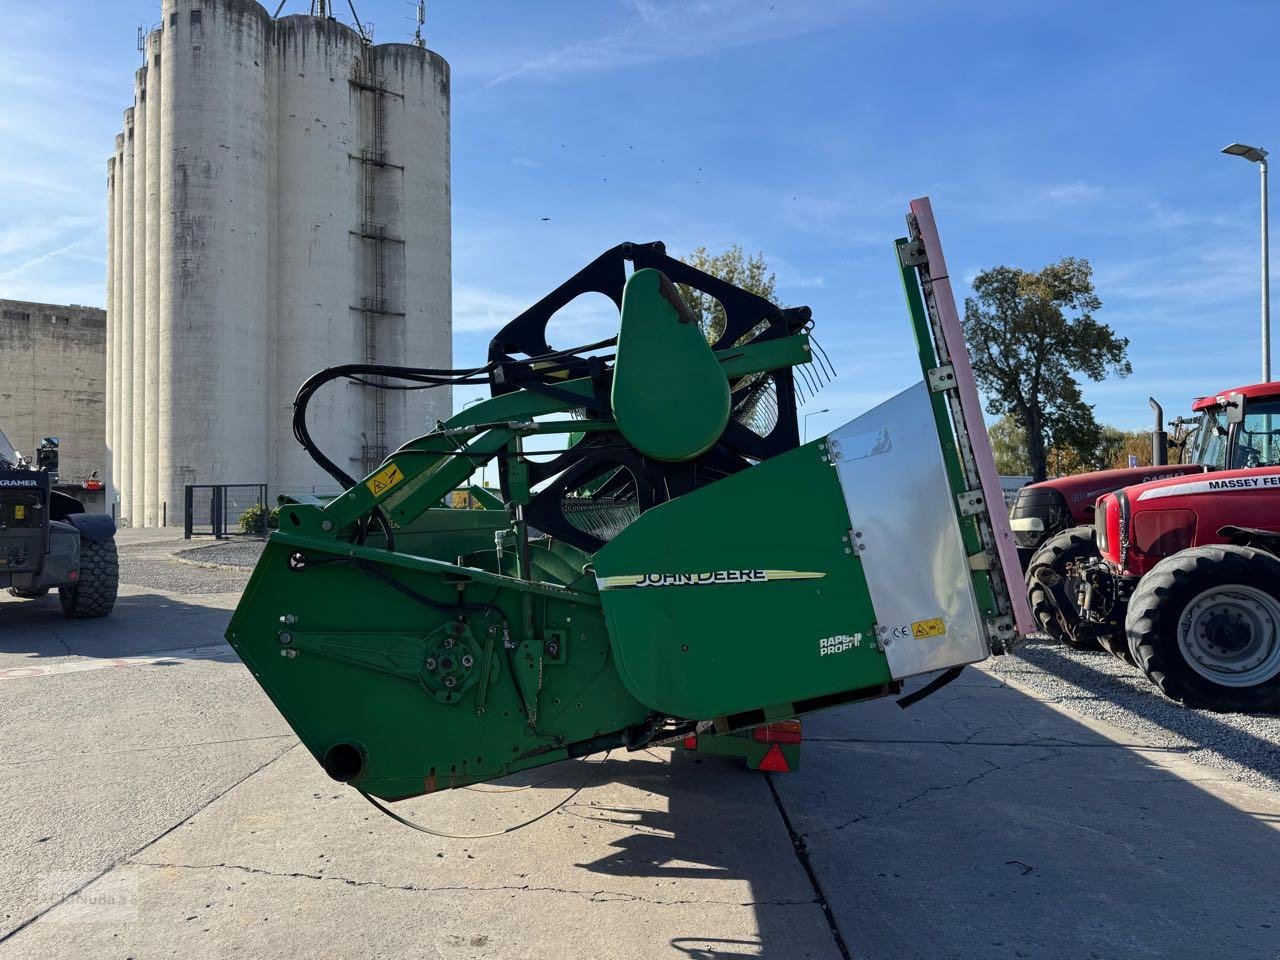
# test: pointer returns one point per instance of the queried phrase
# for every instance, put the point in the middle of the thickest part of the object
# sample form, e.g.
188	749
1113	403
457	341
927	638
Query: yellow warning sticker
19	511
384	479
928	628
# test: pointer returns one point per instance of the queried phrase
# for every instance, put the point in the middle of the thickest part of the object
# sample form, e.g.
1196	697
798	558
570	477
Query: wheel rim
1231	635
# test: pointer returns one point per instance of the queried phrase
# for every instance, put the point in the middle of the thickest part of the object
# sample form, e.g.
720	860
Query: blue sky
799	128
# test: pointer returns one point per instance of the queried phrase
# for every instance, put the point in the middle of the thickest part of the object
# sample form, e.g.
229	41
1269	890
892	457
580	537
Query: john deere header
664	556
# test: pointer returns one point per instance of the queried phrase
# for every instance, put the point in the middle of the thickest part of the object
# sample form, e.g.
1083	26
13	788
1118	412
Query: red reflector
691	742
74	575
784	731
774	761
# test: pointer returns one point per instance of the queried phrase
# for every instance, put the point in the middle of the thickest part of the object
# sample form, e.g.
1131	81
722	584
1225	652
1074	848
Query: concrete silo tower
279	203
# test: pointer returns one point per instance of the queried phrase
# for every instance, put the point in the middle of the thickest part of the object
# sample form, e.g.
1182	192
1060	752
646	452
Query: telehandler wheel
1049	565
95	593
1204	626
35	594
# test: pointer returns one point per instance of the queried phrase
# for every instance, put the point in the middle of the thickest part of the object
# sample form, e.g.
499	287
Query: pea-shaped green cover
670	395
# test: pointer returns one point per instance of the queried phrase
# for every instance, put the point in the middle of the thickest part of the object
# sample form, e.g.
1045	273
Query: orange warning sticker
384	479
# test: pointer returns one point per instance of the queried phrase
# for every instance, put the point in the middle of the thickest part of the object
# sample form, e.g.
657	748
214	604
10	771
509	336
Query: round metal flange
1231	635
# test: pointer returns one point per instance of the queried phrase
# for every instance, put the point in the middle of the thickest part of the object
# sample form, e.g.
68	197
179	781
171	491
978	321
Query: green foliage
1031	333
258	520
748	272
1009	444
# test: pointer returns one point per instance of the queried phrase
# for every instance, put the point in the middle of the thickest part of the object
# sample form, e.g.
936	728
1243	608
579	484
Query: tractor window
1258	436
1209	443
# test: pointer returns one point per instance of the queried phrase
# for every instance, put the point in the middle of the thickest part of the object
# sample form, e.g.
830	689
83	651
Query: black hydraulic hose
425	377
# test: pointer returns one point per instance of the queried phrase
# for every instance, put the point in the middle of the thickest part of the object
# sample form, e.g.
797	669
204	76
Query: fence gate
215	509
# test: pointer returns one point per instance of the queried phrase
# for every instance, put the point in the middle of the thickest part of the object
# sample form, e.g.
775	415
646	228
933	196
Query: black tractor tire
1172	589
1069	546
35	594
94	594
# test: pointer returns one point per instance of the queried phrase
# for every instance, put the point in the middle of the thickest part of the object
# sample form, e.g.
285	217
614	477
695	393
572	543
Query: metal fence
215	509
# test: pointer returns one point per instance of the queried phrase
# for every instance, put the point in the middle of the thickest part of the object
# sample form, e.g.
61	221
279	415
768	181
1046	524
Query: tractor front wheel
1053	585
1204	626
94	594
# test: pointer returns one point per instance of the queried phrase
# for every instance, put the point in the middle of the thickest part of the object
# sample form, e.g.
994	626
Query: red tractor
1183	578
1053	521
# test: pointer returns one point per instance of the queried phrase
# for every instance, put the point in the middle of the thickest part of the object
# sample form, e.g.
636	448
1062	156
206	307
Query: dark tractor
47	539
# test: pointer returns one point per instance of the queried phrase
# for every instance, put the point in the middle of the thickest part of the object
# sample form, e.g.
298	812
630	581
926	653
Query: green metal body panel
347	658
769	595
670	396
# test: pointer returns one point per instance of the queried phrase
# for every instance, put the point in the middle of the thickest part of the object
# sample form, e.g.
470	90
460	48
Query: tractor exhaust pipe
1159	438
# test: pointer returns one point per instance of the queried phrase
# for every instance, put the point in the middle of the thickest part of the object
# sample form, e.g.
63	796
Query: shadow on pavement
1064	845
140	624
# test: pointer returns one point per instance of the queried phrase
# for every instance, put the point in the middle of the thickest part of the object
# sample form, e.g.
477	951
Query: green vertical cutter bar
662	556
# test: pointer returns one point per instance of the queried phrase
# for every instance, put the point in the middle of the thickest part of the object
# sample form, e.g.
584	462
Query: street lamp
806	422
1259	156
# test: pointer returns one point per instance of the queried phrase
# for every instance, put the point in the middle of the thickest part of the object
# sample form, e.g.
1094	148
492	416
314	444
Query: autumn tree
1031	334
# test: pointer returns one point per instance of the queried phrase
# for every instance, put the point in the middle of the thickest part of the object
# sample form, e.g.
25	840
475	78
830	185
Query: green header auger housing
666	557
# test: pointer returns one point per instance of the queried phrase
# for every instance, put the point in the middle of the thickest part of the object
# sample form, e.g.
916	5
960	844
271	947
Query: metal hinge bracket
942	378
912	254
971	502
1001	634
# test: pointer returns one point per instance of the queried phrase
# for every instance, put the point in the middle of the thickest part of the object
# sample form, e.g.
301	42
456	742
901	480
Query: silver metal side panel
891	470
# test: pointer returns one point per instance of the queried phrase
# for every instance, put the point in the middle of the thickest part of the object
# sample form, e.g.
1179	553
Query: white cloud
670	29
1067	194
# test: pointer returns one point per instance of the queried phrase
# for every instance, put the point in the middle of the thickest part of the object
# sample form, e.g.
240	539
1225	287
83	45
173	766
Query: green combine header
665	560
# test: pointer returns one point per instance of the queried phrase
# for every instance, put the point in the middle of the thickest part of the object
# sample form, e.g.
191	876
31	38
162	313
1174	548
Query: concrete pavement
160	807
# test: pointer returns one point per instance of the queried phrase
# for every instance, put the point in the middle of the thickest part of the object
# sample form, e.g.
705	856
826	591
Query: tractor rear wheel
1056	563
1204	626
94	594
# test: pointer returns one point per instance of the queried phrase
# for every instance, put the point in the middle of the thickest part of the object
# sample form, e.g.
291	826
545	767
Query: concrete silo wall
280	204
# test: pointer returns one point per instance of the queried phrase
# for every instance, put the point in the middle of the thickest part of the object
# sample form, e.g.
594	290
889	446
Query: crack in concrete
592	896
5	936
993	767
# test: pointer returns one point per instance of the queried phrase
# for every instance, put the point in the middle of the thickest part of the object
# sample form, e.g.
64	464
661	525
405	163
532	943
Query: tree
750	273
1030	332
1118	445
1009	444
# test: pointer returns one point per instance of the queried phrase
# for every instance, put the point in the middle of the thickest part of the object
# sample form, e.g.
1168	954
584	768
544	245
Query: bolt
448	642
290	654
326	525
286	638
288	618
468	661
552	648
431	663
449	682
861	547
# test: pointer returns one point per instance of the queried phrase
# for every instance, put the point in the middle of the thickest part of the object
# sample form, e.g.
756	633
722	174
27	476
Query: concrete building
53	384
278	202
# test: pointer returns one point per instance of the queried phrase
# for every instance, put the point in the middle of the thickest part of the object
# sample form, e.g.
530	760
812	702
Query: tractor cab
1237	430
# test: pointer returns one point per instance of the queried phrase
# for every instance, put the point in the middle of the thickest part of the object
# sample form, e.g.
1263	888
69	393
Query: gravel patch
153	566
1102	687
241	554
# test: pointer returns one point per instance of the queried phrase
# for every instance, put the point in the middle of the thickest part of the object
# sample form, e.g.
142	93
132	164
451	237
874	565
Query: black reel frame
619	472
